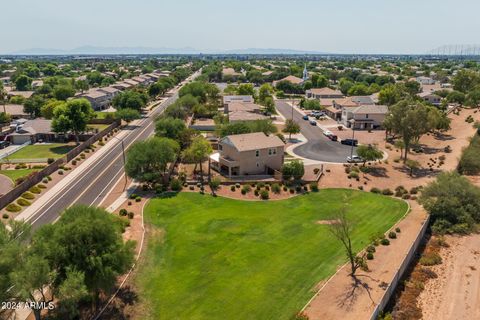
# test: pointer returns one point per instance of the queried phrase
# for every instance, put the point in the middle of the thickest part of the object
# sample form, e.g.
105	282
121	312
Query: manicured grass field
42	151
15	174
217	258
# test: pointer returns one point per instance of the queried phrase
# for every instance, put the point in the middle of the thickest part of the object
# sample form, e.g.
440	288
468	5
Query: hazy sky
343	26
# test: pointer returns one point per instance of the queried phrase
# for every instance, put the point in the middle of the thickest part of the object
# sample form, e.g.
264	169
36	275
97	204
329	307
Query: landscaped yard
15	174
218	258
42	151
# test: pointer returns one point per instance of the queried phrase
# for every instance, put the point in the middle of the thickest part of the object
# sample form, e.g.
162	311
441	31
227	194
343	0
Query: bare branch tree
341	228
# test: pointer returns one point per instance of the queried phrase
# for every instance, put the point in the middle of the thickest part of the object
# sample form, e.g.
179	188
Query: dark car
313	122
349	142
333	137
4	144
305	117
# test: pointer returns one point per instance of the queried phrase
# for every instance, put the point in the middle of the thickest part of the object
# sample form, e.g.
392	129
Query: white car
327	133
354	159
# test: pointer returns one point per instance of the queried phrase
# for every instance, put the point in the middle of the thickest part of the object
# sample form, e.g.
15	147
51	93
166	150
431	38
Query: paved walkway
5	184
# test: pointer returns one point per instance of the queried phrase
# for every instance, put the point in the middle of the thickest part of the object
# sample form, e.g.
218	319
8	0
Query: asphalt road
95	183
318	146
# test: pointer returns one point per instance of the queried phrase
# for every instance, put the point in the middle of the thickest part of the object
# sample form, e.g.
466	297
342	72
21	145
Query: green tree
293	170
23	83
408	119
198	152
72	117
33	106
127	115
5	118
63	92
130	99
452	202
170	128
412	165
466	80
265	91
291	127
85	241
82	85
48	108
147	160
369	152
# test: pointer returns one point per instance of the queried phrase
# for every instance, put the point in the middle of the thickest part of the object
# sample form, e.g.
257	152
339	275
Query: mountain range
85	50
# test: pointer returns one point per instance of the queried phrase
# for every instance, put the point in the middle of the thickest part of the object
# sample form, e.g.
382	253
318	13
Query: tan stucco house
248	154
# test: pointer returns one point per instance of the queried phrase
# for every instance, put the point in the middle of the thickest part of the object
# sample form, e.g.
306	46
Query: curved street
318	147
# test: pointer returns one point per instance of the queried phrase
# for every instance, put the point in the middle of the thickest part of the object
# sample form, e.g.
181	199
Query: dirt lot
456	292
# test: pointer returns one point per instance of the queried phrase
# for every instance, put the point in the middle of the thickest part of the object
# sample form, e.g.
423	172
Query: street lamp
124	161
352	123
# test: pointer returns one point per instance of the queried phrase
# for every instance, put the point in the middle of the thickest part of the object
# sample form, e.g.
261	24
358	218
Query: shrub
60	172
191	187
385	242
237	185
392	235
130	215
199	184
375	190
232	188
82	156
50	160
123	212
215	183
49	178
5	216
264	195
129	203
406	196
74	162
246	189
176	185
45	180
276	188
314	187
132	196
138	199
291	190
256	192
35	189
23	202
371	249
41	186
298	188
316	170
430	259
370	256
353	175
28	196
12	207
387	192
285	188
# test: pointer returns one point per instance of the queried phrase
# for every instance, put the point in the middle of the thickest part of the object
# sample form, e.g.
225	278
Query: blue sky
343	26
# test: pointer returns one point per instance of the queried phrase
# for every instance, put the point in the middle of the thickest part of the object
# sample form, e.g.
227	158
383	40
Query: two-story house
364	117
248	154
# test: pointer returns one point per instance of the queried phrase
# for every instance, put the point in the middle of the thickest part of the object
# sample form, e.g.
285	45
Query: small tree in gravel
341	228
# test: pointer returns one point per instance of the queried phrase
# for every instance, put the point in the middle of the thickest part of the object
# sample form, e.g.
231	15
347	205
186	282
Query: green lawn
100	127
103	115
229	259
15	174
42	151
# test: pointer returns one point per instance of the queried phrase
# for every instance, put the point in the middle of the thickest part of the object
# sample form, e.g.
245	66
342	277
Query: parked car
349	142
333	137
354	159
4	144
327	133
313	122
305	117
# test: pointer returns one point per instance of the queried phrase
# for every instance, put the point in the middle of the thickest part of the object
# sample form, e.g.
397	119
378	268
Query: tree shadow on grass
61	150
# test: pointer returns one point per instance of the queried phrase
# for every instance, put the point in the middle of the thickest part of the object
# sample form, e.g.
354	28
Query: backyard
15	174
42	151
217	258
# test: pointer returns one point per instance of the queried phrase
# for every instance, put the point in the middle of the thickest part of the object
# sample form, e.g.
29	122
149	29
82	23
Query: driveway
318	147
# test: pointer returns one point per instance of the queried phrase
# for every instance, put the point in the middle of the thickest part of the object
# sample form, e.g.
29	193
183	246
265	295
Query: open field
41	151
218	258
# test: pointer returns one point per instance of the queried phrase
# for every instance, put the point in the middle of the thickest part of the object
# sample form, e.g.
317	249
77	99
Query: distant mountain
106	50
270	51
85	50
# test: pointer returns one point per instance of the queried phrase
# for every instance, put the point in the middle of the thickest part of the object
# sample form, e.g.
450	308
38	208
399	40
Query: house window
258	165
366	116
257	154
272	151
220	147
